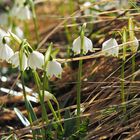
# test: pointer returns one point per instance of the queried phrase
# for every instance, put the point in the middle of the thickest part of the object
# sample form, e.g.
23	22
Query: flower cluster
34	59
20	10
109	47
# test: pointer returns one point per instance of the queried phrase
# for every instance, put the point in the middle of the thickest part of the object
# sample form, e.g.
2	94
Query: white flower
87	46
25	13
15	11
5	52
16	62
110	47
54	69
134	46
36	60
21	12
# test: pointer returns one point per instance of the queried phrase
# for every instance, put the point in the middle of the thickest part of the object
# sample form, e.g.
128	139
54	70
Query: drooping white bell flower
5	52
36	60
87	45
14	11
25	13
54	69
16	62
21	12
110	47
134	46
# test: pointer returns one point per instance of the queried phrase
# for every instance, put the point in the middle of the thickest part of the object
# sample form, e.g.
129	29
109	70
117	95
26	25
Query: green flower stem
26	103
122	87
44	113
54	114
124	38
57	118
31	114
25	97
36	26
79	91
34	19
131	28
79	83
26	30
132	37
133	65
45	84
58	108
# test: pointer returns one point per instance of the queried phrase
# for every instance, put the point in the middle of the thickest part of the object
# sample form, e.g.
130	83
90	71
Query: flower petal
110	47
54	69
5	52
87	46
15	60
36	60
134	46
77	45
